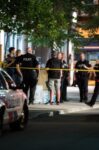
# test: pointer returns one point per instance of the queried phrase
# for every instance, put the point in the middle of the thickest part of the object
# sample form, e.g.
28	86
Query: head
97	61
12	51
63	56
54	54
29	50
70	56
82	56
18	52
59	55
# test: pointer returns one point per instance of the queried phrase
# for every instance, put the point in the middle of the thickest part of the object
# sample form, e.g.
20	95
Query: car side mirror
13	86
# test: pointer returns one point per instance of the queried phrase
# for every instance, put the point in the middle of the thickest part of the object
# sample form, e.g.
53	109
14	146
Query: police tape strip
47	69
54	69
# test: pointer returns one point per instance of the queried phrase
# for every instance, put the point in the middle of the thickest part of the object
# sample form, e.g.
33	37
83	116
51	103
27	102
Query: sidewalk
62	109
72	106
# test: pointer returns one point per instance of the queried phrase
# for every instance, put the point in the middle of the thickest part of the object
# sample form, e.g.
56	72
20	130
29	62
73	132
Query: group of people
19	67
24	69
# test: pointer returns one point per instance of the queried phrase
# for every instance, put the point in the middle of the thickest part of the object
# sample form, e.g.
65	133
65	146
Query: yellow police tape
4	65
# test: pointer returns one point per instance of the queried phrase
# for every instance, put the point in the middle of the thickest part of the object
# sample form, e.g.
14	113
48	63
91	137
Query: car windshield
3	85
9	81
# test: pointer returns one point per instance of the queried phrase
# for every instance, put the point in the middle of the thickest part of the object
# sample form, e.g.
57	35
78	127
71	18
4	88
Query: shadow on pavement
58	116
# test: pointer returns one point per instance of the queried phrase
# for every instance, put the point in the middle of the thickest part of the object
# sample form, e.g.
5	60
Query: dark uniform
29	76
96	89
82	79
11	69
64	82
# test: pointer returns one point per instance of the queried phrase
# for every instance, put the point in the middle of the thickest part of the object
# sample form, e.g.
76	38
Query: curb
40	110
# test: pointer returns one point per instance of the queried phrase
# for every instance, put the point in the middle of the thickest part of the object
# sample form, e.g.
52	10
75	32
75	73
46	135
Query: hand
21	77
47	69
85	67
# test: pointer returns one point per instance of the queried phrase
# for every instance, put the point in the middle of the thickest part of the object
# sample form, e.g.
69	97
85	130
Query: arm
6	64
88	66
47	66
19	70
38	69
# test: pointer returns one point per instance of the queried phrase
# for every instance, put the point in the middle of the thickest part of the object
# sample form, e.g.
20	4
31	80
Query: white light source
74	15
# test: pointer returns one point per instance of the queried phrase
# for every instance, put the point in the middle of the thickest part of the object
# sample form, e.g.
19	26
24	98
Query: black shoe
65	100
81	100
89	104
85	99
58	103
30	103
51	103
47	102
61	101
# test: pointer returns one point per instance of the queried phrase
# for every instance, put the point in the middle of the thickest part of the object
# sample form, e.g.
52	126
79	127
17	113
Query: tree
43	21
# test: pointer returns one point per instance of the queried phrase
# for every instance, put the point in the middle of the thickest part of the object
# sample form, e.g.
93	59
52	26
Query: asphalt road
74	131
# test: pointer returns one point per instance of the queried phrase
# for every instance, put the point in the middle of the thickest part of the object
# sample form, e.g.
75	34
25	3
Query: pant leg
85	89
64	90
26	87
32	83
18	79
32	93
80	89
95	94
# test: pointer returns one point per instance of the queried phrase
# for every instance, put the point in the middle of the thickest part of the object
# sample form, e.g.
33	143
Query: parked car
13	103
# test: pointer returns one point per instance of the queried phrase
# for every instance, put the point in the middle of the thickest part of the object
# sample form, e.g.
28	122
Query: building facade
89	45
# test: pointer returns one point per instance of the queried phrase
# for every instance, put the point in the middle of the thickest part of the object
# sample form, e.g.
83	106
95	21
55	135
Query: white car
13	103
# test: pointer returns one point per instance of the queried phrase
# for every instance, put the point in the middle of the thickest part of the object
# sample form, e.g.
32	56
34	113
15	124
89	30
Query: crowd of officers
24	69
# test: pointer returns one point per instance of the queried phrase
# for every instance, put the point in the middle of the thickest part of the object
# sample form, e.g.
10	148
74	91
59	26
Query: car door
13	98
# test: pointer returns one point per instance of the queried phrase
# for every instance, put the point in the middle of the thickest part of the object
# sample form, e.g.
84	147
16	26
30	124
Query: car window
2	83
7	78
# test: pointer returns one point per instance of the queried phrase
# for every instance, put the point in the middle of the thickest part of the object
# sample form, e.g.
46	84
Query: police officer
17	76
96	89
29	75
64	79
82	77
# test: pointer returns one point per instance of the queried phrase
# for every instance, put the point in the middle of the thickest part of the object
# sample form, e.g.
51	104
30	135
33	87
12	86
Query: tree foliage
44	21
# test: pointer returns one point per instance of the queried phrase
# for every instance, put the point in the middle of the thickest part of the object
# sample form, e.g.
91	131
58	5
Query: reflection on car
13	103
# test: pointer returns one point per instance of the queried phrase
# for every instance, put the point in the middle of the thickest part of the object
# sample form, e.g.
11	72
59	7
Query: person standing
82	77
10	63
18	79
54	77
64	79
96	89
29	75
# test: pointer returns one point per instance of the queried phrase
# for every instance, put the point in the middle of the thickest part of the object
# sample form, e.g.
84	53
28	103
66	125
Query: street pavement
71	106
69	126
55	133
